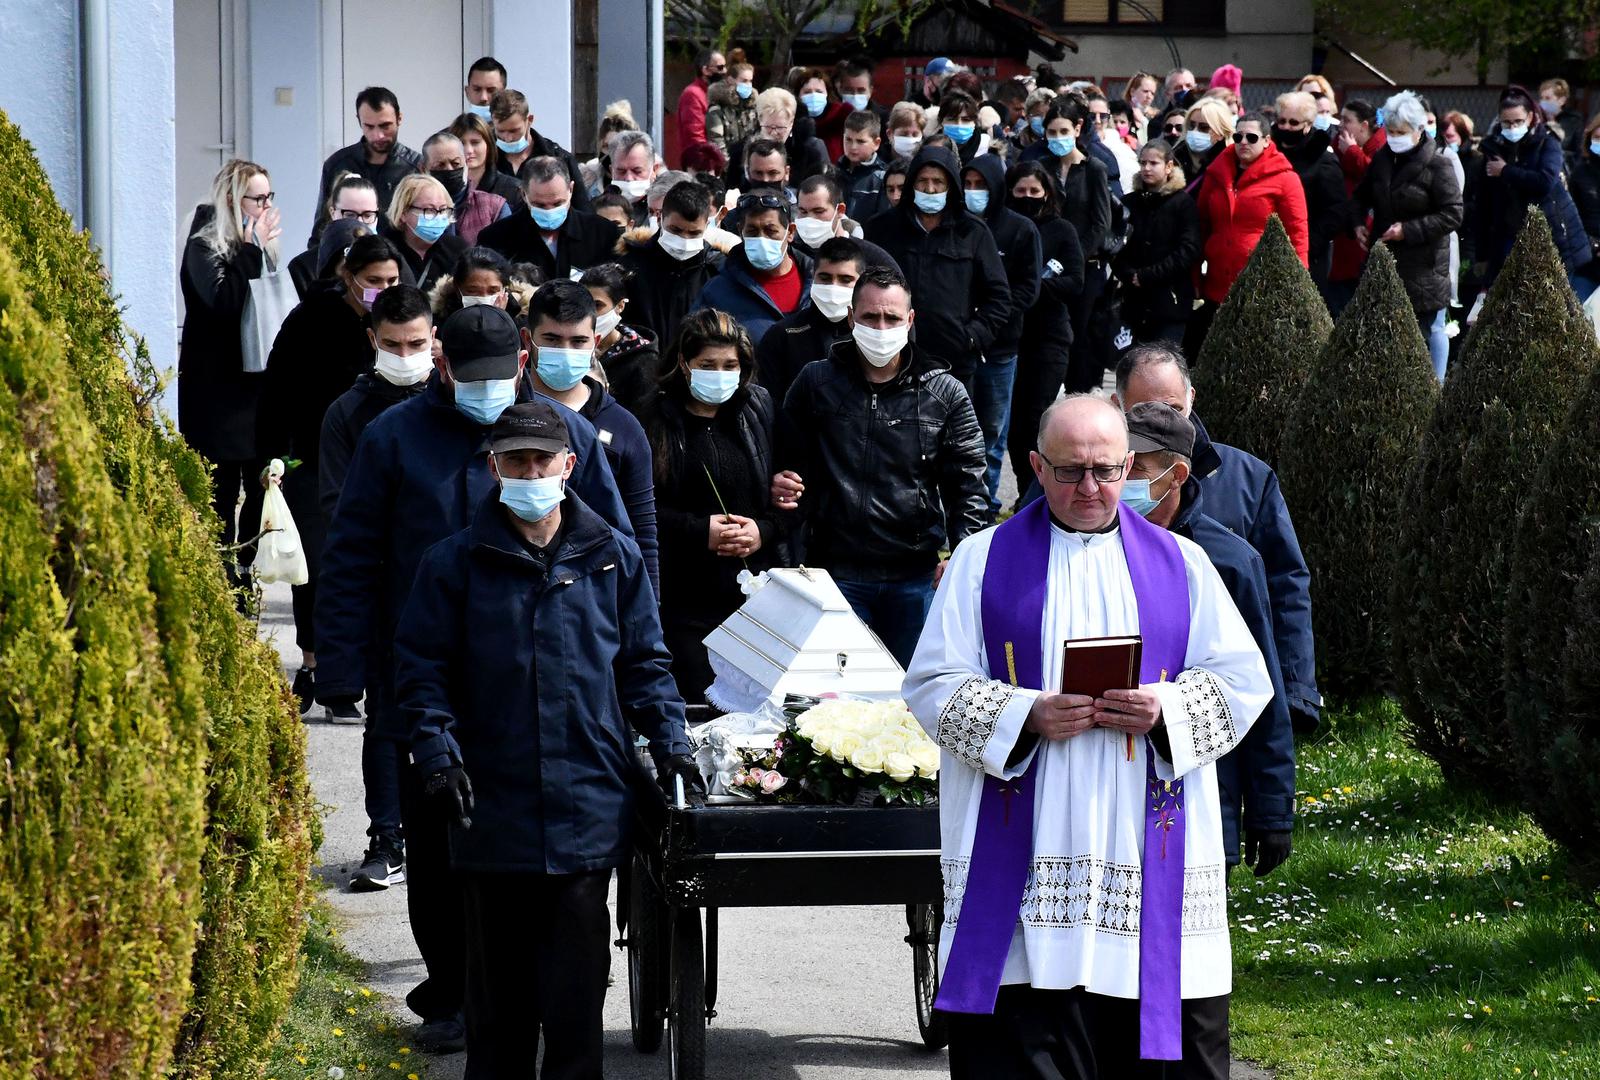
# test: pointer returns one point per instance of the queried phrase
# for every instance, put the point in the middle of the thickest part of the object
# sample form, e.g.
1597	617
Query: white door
416	49
203	49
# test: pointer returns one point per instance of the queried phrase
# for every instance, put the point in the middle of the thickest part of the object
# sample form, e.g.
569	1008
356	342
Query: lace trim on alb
967	722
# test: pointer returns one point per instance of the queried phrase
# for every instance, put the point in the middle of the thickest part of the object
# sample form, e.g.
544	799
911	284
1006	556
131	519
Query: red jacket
1234	209
830	128
692	105
1348	256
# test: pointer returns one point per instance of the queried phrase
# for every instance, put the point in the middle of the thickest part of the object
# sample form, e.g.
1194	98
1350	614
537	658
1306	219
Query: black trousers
300	492
433	900
536	965
1086	367
228	479
1076	1035
1040	374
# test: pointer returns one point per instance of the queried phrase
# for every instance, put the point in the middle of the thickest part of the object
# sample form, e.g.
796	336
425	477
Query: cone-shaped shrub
1355	434
1563	803
1261	348
1502	407
155	822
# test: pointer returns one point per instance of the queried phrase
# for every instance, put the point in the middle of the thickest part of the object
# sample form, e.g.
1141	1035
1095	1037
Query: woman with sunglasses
1249	182
1208	129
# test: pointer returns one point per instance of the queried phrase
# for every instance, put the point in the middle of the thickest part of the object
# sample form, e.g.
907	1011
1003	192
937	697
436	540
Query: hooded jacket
1418	190
737	291
661	289
583	241
958	282
730	119
1162	251
1234	208
1020	252
1326	196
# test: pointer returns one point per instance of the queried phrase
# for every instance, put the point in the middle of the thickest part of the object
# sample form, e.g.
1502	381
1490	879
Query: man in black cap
418	472
529	647
1259	772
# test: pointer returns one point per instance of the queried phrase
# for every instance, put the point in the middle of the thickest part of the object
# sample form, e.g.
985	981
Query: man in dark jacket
983	181
1307	150
763	279
951	262
667	272
417	475
378	155
528	654
820	216
548	232
809	334
519	143
1259	772
882	456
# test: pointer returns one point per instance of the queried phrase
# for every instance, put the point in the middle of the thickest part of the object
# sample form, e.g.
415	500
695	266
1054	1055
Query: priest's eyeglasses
1073	474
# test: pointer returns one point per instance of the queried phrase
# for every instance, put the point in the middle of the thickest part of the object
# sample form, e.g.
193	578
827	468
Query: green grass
1417	930
337	1023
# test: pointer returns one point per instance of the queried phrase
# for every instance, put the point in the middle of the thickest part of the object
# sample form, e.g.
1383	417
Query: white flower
899	766
868	758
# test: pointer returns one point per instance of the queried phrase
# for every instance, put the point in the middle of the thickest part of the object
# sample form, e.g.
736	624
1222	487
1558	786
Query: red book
1091	666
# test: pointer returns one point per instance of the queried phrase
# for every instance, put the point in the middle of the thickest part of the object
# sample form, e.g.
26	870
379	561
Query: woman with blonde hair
420	221
903	135
775	115
234	241
1208	130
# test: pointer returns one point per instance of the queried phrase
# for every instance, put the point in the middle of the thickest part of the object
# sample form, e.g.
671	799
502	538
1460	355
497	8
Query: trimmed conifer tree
1261	348
1356	431
1569	781
1503	404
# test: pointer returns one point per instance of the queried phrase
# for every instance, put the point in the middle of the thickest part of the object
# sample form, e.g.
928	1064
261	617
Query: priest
1085	930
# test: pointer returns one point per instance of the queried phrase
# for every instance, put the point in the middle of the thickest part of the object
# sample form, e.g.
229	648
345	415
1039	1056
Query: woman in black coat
415	222
628	354
235	239
1156	268
1046	343
317	356
710	430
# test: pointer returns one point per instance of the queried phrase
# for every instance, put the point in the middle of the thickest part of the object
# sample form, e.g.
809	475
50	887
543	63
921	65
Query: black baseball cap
532	425
1155	425
481	342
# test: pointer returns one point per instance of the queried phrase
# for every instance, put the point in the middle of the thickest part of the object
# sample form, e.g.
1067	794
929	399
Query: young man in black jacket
951	262
549	231
667	272
519	143
809	334
378	155
882	457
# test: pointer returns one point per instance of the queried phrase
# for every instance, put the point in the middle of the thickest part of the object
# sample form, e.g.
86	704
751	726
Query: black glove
694	785
453	781
1266	849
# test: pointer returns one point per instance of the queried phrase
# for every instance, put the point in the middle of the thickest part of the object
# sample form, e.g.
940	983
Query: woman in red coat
1248	183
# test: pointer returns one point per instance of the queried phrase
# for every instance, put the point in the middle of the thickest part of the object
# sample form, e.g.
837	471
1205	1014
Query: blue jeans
991	400
1438	342
895	610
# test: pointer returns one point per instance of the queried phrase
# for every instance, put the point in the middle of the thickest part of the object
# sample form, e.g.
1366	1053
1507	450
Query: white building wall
286	55
533	39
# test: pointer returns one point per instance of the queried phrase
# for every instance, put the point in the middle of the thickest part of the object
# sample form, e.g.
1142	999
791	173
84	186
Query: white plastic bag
272	297
279	556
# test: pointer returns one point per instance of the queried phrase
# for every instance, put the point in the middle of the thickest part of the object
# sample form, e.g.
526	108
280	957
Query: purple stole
1013	599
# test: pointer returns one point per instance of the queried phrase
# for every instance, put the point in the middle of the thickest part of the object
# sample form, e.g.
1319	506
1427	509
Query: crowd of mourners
819	339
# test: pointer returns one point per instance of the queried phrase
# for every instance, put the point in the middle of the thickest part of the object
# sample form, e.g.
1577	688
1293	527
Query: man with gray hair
1179	86
633	166
548	231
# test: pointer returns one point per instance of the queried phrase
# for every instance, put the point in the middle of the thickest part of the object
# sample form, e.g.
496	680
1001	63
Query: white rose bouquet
849	751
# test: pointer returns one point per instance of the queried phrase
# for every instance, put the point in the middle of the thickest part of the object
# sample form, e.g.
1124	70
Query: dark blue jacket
1020	251
628	454
863	187
1258	773
529	674
735	291
1535	175
418	472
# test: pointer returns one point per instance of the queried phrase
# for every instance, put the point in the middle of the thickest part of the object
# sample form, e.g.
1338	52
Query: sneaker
383	865
342	712
447	1036
305	684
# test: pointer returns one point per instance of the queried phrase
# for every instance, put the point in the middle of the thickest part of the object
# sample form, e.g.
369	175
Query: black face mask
1288	140
454	180
1029	206
1182	99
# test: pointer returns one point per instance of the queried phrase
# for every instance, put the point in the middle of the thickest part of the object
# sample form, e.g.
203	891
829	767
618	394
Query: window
1188	14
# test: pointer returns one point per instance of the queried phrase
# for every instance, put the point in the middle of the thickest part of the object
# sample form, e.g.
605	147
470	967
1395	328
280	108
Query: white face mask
632	190
1402	144
679	247
492	300
880	347
906	145
604	324
403	370
832	300
813	231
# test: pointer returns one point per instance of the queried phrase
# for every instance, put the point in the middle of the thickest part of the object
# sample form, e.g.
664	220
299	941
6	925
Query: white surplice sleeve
1224	686
973	717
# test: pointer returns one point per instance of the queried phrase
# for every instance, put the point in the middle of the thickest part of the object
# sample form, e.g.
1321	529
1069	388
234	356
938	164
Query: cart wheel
686	1018
646	949
924	940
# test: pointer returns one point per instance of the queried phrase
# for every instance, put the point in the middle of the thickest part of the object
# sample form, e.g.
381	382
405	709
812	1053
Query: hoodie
1018	241
958	281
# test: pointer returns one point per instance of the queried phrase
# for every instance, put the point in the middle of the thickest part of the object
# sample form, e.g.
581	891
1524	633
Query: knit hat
1228	77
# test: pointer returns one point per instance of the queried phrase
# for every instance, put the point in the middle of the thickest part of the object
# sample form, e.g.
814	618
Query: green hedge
1354	437
156	822
1261	348
1503	404
1565	807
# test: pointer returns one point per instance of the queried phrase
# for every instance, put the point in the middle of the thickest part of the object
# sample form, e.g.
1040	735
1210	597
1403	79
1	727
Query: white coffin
797	635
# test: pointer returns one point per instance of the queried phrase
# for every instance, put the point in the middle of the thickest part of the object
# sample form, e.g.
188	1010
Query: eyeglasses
1175	129
777	134
1251	137
766	202
1074	474
1200	126
260	200
1099	117
366	217
446	213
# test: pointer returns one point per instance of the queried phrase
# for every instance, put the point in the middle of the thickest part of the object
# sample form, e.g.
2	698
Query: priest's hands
1060	716
1133	711
1265	850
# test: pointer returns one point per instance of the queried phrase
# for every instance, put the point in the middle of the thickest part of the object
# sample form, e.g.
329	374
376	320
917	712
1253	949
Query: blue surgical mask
977	201
958	133
1036	123
1136	494
1322	121
745	90
430	227
484	400
1431	131
713	387
482	112
562	369
858	102
512	147
550	220
532	500
1199	141
814	102
1062	145
764	254
1594	147
1514	134
929	202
